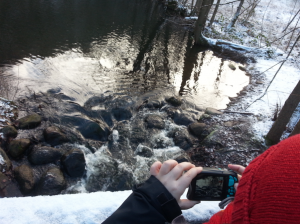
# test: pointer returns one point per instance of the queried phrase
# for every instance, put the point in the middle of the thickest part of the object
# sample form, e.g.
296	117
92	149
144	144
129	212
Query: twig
287	47
262	22
221	4
284	35
276	72
290	21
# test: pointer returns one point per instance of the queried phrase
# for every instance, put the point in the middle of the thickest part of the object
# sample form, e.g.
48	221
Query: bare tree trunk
214	14
197	7
236	15
200	24
286	112
192	7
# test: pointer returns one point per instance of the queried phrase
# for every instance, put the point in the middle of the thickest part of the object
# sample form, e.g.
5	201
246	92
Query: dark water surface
85	48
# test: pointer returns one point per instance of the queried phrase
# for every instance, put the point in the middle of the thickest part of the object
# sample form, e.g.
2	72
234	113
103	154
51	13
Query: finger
186	204
185	180
154	170
237	168
239	177
178	170
167	166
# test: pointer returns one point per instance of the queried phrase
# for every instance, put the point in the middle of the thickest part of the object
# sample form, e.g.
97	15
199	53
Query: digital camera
212	185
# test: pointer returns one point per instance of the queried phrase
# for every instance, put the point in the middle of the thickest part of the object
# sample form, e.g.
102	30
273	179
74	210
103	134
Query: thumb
187	204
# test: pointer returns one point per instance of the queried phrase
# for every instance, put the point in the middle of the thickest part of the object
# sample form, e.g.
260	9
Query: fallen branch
291	21
237	112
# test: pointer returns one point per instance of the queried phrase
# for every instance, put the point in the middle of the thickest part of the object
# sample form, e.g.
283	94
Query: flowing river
94	52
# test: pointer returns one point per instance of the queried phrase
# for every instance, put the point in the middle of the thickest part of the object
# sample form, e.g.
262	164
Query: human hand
239	169
171	175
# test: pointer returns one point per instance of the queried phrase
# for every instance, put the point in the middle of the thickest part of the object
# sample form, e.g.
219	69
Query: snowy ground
92	208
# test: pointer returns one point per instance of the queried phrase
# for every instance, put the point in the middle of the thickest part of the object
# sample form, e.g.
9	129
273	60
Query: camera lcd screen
209	186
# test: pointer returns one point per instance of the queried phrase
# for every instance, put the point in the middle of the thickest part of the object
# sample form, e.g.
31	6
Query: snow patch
89	208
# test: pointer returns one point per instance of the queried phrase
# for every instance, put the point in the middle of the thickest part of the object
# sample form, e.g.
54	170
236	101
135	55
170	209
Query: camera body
212	185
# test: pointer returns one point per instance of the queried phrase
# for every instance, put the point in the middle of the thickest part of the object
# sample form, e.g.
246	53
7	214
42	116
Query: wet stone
171	111
138	132
52	183
174	101
44	155
182	140
8	188
18	147
9	132
5	163
25	178
74	163
54	136
213	139
96	131
121	113
155	121
154	104
144	151
197	128
29	122
182	158
183	118
213	111
232	67
242	68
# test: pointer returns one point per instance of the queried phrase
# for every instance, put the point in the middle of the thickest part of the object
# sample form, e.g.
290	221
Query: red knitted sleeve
222	217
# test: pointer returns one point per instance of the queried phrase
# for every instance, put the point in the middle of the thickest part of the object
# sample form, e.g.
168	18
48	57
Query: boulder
9	131
74	163
121	113
182	140
242	68
51	183
138	132
43	155
197	129
154	104
155	121
213	139
29	122
25	178
174	101
106	116
144	151
54	136
8	188
231	66
95	130
183	118
213	111
182	158
171	111
17	147
104	169
5	163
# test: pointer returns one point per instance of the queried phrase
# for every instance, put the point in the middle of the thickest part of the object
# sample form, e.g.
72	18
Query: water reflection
121	47
213	80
